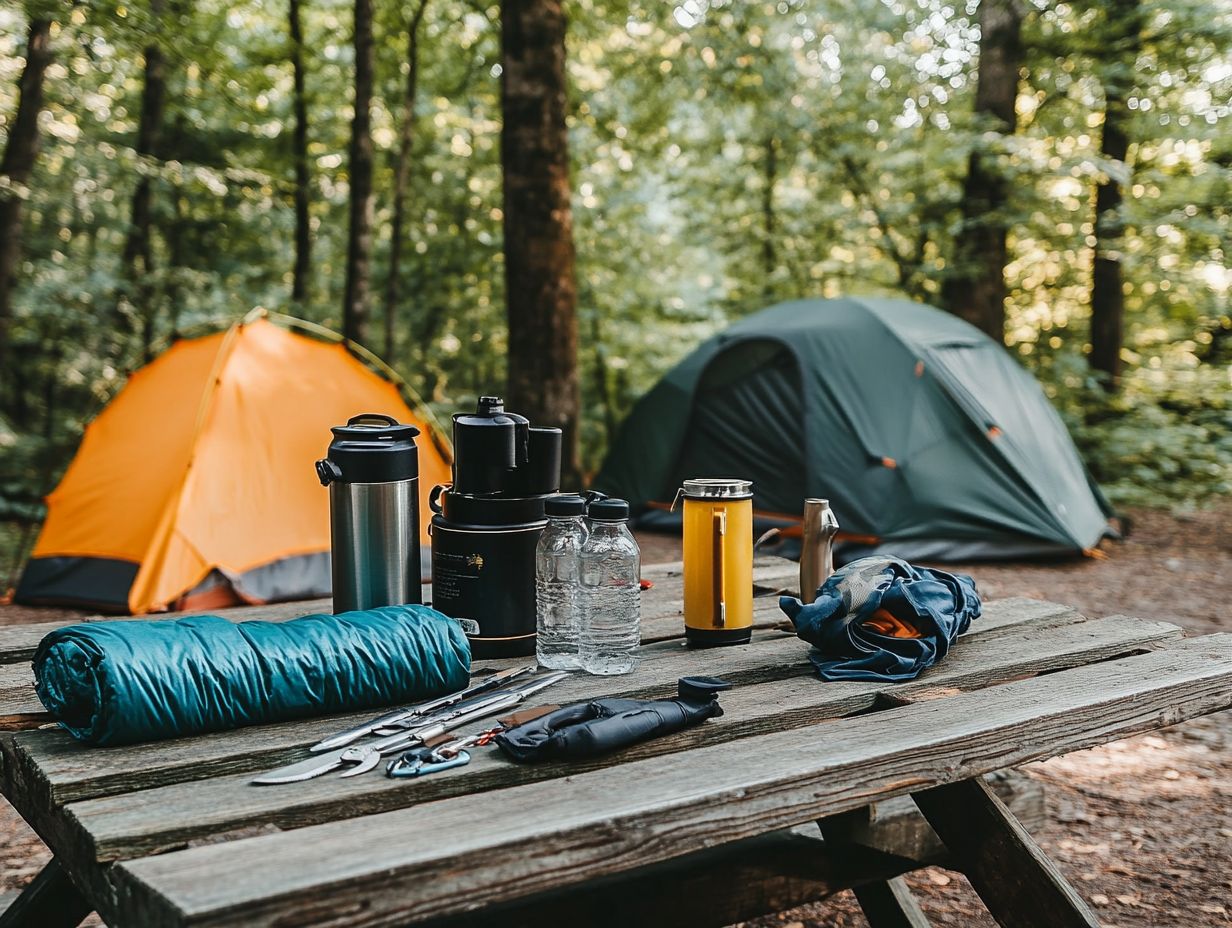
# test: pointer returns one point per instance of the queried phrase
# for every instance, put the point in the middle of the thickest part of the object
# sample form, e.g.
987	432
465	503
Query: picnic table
798	791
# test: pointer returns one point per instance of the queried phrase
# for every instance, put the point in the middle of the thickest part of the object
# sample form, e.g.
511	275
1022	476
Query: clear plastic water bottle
556	582
611	605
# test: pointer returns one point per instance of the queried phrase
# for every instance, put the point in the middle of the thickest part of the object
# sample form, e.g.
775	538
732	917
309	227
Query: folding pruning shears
362	758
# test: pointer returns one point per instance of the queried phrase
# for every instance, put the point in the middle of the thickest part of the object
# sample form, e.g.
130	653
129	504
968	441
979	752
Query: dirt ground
1143	827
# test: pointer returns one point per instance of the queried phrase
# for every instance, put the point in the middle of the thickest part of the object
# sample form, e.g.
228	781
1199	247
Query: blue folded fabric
853	622
120	682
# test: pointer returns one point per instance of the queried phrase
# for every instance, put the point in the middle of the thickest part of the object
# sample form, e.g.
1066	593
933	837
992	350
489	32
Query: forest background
635	175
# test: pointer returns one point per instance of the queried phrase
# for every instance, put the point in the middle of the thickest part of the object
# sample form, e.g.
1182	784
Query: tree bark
975	287
176	260
20	153
303	230
402	172
359	238
138	257
769	258
541	290
1107	295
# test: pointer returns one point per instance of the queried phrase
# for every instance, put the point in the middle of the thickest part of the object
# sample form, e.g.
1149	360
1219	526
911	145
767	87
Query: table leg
50	900
1019	884
889	904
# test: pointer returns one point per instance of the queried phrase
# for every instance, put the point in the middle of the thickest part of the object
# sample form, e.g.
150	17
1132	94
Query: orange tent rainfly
195	486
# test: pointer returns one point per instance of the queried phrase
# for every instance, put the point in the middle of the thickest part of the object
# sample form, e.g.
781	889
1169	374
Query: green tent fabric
926	436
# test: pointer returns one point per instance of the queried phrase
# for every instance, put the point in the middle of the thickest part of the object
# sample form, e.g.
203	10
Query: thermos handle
719	559
371	417
434	498
327	471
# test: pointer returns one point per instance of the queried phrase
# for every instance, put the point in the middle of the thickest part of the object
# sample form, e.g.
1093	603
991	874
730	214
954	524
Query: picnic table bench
798	791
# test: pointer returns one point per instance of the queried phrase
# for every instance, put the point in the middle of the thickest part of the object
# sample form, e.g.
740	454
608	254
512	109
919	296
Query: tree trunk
20	153
402	172
303	231
603	381
359	239
176	260
138	258
541	290
1107	295
975	287
769	258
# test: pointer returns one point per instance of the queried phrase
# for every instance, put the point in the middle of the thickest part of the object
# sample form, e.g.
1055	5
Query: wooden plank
19	704
457	855
770	575
756	876
49	901
745	879
61	770
719	886
889	904
1020	885
55	769
72	770
130	824
21	710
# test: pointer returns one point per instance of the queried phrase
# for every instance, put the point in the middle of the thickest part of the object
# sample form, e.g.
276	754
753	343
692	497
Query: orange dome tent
195	488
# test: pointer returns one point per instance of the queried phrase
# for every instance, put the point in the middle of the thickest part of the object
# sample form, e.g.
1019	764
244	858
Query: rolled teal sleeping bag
119	682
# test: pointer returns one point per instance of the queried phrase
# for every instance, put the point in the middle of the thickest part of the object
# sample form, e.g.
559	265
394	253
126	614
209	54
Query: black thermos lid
370	448
487	445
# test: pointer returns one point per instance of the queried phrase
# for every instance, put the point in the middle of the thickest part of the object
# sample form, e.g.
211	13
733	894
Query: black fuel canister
483	575
486	525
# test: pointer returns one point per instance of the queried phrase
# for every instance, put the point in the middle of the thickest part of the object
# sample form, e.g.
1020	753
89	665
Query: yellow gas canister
718	560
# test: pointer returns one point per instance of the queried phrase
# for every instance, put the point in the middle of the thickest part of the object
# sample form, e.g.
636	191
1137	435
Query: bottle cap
608	510
566	504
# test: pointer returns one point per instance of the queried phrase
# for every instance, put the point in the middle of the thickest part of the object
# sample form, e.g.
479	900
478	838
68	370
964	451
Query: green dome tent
929	440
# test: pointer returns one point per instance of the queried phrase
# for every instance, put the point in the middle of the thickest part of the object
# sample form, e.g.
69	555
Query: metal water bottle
817	548
718	560
372	471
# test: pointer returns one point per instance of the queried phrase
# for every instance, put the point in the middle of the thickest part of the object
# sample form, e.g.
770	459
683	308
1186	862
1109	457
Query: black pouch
590	729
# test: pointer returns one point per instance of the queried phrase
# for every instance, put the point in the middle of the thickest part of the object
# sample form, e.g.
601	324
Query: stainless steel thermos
372	471
487	523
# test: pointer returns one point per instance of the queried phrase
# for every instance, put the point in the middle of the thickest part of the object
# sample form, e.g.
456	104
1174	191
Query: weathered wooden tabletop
172	833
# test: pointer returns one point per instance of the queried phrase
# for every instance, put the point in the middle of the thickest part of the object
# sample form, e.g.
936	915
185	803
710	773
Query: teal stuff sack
114	683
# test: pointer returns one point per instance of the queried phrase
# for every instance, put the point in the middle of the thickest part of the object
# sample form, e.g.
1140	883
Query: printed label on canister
490	574
469	626
453	572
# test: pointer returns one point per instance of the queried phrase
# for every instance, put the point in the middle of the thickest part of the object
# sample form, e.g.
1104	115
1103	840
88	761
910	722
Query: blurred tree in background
192	159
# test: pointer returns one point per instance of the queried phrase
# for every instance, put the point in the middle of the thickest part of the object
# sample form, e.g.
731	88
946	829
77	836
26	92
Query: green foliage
727	154
1164	439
